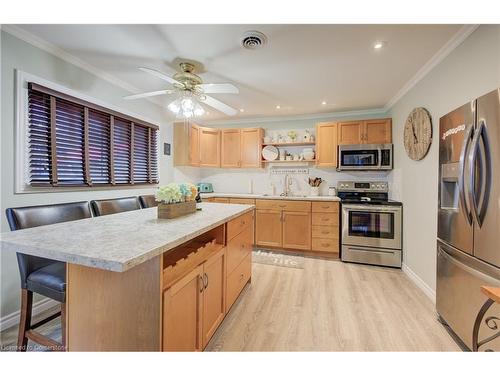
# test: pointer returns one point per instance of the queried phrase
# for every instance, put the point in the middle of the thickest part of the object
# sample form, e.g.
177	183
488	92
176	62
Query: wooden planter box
173	210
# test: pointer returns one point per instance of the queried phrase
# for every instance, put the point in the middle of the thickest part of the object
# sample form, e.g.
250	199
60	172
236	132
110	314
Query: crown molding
440	55
62	54
311	116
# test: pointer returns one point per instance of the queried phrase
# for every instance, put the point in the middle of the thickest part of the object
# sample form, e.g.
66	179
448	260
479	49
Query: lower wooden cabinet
297	230
182	307
237	280
268	228
194	306
214	294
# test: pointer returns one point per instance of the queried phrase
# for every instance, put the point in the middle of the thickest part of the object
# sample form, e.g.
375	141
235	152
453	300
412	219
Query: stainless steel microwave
365	157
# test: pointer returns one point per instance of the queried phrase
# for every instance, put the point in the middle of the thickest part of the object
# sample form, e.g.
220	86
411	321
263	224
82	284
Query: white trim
39	307
428	291
310	116
62	54
21	120
444	51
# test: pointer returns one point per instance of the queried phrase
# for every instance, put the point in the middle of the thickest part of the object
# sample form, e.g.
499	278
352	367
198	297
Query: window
76	143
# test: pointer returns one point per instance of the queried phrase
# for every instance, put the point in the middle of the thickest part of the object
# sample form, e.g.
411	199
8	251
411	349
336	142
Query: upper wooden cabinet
376	131
326	145
199	146
241	148
209	147
251	147
230	148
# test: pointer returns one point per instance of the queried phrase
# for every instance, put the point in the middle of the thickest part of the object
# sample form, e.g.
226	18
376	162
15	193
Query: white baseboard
428	291
39	307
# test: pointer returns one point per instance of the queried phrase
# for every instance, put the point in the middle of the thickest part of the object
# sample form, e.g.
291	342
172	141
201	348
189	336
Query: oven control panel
363	186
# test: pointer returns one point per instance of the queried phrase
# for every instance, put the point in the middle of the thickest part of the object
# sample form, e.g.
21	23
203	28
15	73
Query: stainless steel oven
371	225
365	157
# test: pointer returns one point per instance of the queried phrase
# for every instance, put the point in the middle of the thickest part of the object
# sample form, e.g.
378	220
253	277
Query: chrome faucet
286	186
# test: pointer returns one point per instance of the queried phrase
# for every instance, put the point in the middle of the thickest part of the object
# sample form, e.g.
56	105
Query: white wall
17	54
471	70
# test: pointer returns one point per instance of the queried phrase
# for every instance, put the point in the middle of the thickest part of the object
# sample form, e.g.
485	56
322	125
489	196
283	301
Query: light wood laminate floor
326	306
331	306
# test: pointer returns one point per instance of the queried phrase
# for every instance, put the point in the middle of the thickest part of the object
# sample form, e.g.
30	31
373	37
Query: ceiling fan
190	91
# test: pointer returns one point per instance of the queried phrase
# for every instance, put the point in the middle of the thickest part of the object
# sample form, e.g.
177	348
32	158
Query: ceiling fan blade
218	105
148	94
160	75
218	88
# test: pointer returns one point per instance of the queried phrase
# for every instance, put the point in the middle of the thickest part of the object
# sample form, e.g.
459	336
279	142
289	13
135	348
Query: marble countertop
121	241
262	196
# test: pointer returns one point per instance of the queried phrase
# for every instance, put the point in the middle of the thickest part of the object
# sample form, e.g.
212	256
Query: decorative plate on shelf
418	133
270	153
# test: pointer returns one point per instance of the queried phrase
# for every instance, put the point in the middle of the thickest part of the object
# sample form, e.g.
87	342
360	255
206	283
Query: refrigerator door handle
484	189
461	181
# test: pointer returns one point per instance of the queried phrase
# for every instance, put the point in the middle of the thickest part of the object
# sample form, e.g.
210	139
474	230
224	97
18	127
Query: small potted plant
292	134
176	200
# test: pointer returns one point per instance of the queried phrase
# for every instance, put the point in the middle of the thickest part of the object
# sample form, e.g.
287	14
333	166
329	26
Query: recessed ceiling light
242	110
323	103
379	45
278	106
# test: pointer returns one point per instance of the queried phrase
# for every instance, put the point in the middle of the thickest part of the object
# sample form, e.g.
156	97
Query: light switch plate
166	149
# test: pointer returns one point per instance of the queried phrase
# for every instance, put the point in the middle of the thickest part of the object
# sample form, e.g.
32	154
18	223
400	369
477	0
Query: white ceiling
301	66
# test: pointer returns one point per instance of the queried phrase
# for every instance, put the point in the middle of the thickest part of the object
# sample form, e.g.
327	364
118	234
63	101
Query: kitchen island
136	282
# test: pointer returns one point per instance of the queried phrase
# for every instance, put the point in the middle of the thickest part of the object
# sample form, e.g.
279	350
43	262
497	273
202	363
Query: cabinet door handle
325	207
282	205
205	277
324	245
325	219
325	232
200	278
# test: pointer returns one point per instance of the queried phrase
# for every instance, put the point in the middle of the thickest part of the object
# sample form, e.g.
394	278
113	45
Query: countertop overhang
262	196
121	241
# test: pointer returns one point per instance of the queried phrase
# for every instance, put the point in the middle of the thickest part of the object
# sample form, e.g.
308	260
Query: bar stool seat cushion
49	281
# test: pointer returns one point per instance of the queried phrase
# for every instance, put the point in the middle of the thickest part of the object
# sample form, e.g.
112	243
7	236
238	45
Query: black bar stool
148	201
39	275
113	206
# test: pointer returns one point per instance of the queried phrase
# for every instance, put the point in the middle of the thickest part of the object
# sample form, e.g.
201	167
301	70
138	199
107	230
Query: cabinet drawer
236	226
237	280
325	206
319	218
284	205
330	245
220	200
238	248
242	200
324	231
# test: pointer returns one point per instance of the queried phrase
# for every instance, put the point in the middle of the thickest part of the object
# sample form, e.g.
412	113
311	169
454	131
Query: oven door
371	225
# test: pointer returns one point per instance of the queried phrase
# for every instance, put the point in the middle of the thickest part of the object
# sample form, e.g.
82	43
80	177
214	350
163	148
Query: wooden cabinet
220	200
282	223
214	294
268	228
297	230
230	148
209	147
377	131
326	145
182	307
186	145
325	227
350	132
194	145
241	148
251	147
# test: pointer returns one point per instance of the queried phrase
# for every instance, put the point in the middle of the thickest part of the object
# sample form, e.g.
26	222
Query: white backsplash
260	181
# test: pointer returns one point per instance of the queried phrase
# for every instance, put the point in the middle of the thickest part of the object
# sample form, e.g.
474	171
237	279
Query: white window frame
21	153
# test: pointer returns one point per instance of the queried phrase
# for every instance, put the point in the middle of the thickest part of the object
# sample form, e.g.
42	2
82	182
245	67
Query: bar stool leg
63	325
25	321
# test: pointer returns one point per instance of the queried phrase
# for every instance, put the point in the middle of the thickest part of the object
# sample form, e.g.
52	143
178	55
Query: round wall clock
418	133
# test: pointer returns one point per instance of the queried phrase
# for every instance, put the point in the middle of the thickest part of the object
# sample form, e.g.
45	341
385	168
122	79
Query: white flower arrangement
175	193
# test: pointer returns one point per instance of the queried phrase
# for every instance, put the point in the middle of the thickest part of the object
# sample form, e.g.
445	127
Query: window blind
76	143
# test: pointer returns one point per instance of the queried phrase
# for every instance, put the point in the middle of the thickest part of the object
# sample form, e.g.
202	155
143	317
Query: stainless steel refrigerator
468	244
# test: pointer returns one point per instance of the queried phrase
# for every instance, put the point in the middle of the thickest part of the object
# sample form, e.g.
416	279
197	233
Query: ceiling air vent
253	40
